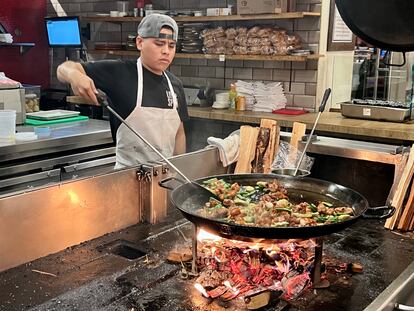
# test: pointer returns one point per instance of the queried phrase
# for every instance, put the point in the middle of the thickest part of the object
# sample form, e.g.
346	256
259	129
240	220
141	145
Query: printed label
366	112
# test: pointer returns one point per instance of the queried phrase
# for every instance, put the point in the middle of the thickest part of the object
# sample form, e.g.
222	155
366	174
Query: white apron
159	126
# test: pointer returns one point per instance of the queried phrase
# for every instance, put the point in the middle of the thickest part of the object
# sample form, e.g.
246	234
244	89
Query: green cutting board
43	122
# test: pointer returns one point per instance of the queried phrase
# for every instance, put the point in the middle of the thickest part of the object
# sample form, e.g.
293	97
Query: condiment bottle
232	96
241	103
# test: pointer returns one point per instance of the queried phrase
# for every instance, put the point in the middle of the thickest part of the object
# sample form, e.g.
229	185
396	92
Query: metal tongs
321	109
103	101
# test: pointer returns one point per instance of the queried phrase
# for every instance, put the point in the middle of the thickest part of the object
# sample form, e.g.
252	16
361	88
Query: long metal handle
399	306
103	101
163	183
321	109
379	212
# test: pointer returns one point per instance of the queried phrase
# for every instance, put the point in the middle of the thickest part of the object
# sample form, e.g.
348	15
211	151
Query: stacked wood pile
259	145
402	196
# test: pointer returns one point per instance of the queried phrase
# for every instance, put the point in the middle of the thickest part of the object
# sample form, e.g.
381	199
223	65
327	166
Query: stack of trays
191	41
180	37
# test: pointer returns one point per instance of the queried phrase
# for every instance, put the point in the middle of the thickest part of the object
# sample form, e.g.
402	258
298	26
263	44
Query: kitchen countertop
329	122
63	136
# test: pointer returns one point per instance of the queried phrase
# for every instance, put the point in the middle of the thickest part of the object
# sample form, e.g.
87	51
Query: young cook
142	92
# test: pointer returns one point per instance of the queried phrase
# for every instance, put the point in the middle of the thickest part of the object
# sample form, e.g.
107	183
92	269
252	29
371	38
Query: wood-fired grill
90	277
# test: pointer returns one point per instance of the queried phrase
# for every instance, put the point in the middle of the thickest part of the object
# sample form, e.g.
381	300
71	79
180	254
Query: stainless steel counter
71	151
399	295
63	137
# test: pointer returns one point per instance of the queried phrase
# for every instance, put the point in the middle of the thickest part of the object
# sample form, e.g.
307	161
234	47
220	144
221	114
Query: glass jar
241	103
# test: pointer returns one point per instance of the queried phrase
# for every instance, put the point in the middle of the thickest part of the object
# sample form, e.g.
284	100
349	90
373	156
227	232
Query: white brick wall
262	74
197	72
304	101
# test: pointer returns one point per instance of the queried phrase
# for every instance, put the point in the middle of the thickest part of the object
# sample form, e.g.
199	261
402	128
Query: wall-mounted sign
340	37
340	32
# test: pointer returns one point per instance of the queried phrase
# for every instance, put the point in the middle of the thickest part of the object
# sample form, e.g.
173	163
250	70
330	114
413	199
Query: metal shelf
288	15
23	47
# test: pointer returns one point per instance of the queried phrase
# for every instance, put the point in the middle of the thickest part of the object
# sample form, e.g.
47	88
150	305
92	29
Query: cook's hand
83	86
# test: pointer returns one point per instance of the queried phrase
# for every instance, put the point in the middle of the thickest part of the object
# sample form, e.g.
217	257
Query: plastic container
26	136
42	131
7	125
123	7
32	97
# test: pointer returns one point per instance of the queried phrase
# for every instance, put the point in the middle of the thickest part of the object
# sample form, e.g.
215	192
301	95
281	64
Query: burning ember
233	268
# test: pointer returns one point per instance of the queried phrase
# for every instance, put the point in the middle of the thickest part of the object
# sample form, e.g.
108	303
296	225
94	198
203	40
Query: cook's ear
138	42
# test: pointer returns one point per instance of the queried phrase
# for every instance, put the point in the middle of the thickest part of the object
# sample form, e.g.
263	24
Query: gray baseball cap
151	25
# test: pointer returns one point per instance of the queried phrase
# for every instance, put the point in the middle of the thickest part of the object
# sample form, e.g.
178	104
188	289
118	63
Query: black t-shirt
119	80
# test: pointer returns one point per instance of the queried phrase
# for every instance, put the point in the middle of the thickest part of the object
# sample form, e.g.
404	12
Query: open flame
203	235
271	247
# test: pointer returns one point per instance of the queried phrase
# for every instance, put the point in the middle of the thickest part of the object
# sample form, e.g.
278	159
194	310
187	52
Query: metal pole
317	282
377	63
321	109
307	144
194	269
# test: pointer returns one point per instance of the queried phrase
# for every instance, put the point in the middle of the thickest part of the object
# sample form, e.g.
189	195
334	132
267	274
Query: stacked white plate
222	101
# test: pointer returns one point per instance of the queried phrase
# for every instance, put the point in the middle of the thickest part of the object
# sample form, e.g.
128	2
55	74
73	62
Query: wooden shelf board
289	58
288	15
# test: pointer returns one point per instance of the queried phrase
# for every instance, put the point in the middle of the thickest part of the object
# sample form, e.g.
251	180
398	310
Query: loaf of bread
257	40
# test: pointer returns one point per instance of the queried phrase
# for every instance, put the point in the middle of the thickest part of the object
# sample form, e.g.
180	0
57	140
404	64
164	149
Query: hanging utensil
103	101
321	109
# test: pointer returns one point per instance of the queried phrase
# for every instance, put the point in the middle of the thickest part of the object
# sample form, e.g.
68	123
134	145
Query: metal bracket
313	138
140	174
148	172
155	203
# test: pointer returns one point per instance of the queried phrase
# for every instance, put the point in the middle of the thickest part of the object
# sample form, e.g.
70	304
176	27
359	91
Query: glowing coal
233	268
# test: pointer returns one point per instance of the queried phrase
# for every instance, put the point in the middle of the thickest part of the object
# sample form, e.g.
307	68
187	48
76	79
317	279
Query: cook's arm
74	74
180	140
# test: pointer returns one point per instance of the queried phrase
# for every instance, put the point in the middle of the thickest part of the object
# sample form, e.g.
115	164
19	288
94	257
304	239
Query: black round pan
188	200
386	24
